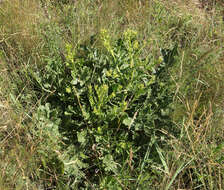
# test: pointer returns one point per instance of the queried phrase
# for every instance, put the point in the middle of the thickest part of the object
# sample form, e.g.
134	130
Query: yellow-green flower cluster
69	55
105	37
130	39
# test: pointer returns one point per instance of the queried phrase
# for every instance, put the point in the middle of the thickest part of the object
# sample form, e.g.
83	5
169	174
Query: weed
86	109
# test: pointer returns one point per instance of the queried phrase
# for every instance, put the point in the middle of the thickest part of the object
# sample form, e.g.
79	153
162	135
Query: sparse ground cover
111	94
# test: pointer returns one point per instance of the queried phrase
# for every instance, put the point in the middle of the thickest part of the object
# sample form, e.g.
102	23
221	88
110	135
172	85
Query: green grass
33	152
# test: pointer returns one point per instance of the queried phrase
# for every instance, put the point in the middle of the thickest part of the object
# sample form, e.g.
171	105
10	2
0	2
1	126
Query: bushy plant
112	102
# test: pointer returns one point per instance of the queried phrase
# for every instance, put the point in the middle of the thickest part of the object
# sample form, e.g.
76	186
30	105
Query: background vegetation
110	94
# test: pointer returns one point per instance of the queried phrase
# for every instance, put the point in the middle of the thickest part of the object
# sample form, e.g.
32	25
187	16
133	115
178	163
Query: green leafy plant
112	103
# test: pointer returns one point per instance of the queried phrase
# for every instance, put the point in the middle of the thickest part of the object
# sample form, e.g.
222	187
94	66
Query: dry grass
201	142
18	29
196	157
17	148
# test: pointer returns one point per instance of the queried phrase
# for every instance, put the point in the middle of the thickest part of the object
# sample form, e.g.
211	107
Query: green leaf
127	121
109	163
82	136
181	168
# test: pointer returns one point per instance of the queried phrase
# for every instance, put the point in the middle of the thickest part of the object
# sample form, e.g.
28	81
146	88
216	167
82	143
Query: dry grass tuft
17	148
18	28
196	159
